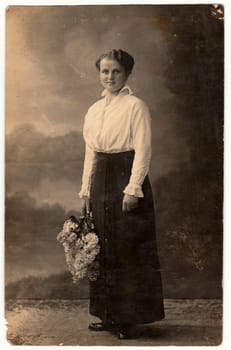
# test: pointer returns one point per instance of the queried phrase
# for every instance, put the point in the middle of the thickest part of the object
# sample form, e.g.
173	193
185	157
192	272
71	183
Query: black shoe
128	333
101	326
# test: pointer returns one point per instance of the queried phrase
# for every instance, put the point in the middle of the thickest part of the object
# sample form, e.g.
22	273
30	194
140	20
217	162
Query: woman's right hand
85	207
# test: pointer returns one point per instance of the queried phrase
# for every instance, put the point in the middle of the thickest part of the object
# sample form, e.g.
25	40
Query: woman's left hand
129	202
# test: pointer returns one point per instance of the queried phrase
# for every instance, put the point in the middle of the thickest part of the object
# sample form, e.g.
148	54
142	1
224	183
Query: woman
117	133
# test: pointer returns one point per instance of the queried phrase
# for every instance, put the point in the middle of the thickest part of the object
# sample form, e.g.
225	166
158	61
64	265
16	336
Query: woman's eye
106	71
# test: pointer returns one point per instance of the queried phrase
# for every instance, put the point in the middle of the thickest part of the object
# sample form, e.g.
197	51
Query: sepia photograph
114	120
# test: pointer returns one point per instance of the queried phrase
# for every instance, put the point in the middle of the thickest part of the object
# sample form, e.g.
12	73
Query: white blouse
117	125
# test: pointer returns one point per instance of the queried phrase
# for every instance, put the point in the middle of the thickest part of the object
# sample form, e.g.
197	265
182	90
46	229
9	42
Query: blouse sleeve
142	143
88	170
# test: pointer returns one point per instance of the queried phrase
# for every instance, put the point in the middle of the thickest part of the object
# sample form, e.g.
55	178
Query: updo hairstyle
123	57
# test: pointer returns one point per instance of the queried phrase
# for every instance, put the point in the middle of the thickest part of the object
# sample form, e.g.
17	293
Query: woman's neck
112	95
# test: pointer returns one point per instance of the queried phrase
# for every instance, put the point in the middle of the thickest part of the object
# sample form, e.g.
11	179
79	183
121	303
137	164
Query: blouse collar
126	90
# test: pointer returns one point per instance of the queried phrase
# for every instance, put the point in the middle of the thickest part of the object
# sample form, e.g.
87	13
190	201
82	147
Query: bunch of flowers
81	247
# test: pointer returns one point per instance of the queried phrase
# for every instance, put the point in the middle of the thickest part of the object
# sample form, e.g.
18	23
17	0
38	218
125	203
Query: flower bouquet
81	247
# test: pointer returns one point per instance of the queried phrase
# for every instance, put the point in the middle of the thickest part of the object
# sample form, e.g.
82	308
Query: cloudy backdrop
51	81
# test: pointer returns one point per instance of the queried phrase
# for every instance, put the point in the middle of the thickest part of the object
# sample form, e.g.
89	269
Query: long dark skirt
129	288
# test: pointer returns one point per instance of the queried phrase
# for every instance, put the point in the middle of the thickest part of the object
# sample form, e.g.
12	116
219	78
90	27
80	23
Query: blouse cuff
84	192
134	190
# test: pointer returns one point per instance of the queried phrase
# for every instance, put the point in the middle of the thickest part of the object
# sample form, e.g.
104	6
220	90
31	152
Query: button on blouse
118	125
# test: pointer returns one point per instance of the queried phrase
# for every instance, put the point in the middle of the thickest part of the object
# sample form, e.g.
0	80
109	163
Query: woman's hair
124	58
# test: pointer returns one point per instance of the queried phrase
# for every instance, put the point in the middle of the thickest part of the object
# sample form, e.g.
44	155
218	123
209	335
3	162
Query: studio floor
65	322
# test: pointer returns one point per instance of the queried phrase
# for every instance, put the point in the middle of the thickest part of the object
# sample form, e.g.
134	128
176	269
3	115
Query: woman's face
112	75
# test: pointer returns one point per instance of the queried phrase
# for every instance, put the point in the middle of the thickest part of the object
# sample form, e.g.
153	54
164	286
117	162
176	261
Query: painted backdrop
51	81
